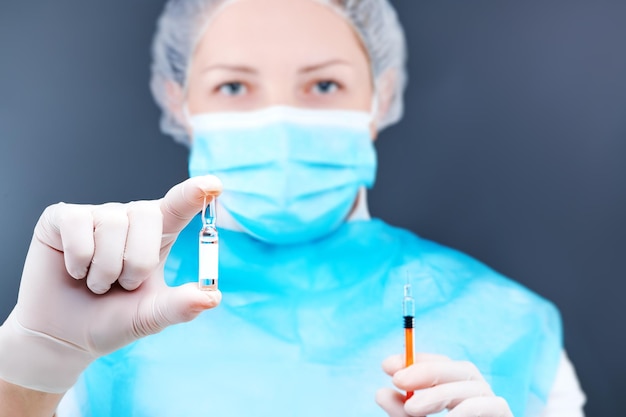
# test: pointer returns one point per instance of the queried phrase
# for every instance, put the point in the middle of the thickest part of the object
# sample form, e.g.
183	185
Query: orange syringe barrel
408	307
408	346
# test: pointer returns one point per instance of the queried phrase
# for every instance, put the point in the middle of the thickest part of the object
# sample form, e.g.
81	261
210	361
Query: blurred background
512	148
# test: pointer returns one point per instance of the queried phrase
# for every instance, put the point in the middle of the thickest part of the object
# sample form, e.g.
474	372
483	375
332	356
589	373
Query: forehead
266	30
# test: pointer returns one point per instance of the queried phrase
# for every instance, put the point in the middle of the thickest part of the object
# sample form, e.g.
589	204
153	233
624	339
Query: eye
325	87
232	89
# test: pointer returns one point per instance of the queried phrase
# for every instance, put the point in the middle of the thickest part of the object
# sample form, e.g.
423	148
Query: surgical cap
183	21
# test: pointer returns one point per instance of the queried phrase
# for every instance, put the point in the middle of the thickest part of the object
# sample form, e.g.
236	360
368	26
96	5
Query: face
261	53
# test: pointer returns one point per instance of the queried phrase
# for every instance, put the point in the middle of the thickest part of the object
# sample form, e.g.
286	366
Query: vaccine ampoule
208	248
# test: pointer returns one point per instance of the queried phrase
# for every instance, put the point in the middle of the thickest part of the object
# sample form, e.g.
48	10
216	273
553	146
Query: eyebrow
227	67
250	70
315	67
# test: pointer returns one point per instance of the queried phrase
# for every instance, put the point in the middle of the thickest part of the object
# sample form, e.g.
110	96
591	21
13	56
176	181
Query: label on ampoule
207	263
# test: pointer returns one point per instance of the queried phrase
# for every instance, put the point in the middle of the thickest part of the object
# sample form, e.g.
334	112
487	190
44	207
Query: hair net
183	21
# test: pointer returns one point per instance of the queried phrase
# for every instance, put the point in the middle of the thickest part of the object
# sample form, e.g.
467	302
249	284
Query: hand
439	383
93	282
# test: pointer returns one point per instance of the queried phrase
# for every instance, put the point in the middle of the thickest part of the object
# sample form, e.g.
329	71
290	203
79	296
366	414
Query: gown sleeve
566	398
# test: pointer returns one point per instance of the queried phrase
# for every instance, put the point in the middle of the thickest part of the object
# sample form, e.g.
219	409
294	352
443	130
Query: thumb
183	201
174	305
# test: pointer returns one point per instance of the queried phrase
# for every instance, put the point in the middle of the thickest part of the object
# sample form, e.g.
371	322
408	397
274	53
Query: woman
281	100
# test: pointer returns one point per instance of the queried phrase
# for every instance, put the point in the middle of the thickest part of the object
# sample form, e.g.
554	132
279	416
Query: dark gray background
512	148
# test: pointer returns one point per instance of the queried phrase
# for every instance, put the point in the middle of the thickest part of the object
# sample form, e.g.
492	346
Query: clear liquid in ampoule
208	252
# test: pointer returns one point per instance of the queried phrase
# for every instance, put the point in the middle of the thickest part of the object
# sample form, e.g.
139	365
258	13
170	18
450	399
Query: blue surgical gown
302	330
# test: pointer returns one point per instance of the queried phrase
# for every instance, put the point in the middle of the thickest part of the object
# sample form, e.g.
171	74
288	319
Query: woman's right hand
93	282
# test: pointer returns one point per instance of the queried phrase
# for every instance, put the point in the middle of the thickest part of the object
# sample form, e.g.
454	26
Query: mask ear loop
374	107
186	113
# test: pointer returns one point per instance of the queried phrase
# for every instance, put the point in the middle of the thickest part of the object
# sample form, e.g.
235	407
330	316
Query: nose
280	92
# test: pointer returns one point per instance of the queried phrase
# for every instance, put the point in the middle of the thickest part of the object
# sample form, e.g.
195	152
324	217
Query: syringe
408	312
208	249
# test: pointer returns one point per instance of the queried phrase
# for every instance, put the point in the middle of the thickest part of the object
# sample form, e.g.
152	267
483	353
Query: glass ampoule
208	248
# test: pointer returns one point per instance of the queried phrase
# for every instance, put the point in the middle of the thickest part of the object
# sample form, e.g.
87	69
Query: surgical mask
290	175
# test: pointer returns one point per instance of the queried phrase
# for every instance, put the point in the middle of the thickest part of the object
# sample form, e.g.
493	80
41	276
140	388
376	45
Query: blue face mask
290	175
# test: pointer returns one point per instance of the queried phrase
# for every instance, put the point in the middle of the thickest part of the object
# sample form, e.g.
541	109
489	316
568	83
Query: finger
110	231
391	401
482	407
431	373
174	305
186	199
68	228
394	363
437	398
143	243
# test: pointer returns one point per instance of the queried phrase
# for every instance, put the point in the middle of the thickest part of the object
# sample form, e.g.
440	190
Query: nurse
280	102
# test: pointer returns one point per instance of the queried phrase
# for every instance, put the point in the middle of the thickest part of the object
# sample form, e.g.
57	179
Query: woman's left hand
439	383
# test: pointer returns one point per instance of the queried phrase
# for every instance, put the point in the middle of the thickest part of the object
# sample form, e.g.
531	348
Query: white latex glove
93	282
439	383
